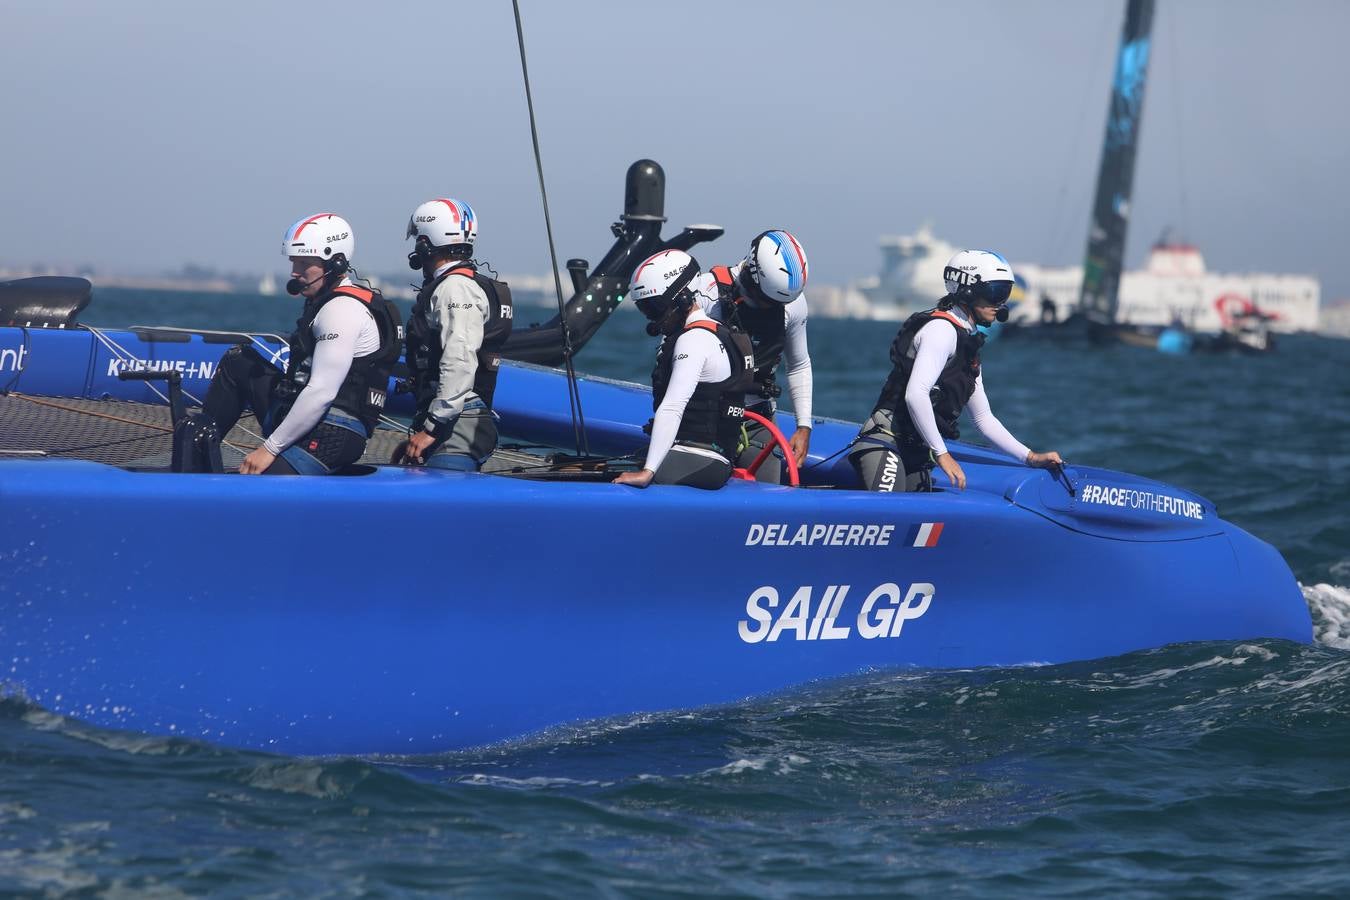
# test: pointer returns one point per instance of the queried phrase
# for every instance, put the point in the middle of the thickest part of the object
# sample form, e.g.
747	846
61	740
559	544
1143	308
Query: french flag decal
924	535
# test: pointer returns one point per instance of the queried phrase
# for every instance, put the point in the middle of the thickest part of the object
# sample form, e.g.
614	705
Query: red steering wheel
748	473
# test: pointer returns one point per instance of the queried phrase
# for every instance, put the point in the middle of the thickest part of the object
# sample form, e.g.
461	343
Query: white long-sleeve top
796	357
459	311
933	347
699	357
343	329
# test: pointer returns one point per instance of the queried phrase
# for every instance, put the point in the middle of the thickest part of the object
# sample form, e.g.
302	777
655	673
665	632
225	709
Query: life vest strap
943	314
357	293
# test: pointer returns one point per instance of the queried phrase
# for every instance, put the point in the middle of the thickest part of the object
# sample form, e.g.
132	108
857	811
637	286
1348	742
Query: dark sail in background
1115	179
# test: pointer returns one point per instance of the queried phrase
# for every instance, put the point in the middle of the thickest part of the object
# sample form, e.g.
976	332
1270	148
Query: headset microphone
332	268
1002	314
295	286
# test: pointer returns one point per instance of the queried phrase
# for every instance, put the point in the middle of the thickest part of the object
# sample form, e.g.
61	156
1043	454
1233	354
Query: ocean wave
1039	762
132	742
325	781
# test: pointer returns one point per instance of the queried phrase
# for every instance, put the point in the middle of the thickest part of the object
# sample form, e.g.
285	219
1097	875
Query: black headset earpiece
421	253
337	266
746	281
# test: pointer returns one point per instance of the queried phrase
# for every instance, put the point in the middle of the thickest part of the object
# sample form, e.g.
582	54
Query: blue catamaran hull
409	611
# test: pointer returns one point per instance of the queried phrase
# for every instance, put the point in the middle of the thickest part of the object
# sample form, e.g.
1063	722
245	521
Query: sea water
1209	769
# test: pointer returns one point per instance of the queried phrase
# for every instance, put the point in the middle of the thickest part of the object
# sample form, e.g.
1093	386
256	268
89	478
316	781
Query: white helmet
662	282
775	267
325	236
444	223
979	275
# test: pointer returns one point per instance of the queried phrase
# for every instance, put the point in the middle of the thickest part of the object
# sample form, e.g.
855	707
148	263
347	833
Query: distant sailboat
1244	327
1099	296
1174	304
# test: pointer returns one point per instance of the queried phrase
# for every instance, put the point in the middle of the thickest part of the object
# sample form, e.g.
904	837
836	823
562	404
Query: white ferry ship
1174	286
1175	289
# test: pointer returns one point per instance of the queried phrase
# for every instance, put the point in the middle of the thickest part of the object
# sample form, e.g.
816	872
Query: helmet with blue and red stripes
444	223
660	289
775	267
324	236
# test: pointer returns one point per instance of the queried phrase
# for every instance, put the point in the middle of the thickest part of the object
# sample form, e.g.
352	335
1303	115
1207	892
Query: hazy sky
139	136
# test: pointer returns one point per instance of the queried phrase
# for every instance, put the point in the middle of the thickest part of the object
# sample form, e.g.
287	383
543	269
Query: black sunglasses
991	293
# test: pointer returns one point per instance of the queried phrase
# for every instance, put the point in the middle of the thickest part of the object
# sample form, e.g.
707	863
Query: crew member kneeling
317	415
703	370
936	374
459	324
762	296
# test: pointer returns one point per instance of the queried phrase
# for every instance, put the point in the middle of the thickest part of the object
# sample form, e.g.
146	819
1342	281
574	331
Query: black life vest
424	340
364	391
766	325
951	392
715	411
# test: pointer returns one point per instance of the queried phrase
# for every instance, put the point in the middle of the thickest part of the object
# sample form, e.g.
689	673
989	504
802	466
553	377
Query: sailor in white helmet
318	414
458	326
703	369
762	296
935	375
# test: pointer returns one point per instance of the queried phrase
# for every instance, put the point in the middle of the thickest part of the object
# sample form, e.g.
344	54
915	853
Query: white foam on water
739	766
150	889
782	766
1330	608
1241	654
15	812
53	870
1333	673
1264	654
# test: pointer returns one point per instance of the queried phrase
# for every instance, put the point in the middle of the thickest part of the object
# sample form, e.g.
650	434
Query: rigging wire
1178	83
573	391
1060	220
124	355
152	426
